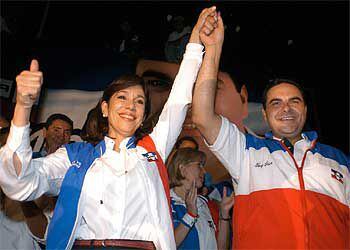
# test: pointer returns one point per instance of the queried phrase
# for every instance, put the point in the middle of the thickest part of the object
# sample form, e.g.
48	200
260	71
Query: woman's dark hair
89	132
122	82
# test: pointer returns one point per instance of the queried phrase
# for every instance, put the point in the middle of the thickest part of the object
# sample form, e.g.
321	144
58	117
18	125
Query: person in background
231	101
89	132
38	213
3	122
57	132
183	142
186	142
177	40
4	132
293	192
14	233
195	226
125	203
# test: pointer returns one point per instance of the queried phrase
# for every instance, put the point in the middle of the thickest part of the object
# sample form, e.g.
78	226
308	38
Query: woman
117	189
194	225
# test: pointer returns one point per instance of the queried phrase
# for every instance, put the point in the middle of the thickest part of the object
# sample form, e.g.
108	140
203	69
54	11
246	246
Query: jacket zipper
302	189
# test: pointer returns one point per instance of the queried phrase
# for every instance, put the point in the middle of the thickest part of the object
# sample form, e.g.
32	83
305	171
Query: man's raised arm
203	114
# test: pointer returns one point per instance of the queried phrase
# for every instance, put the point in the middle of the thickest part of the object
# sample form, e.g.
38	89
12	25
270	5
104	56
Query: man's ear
44	132
264	114
244	98
305	111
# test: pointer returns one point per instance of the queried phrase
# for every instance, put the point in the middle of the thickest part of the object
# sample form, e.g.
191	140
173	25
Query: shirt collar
128	143
43	151
175	197
308	136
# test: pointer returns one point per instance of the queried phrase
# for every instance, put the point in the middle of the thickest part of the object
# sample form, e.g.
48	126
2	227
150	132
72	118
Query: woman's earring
104	115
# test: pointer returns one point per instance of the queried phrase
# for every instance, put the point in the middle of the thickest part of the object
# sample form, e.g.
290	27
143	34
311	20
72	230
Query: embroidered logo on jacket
337	175
264	164
151	156
76	164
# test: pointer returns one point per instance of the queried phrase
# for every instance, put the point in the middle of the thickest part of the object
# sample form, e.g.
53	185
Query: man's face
232	105
158	94
57	134
229	102
285	111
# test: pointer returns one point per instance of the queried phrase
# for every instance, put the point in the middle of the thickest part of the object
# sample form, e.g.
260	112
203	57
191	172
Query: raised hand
29	85
212	32
226	204
191	199
204	21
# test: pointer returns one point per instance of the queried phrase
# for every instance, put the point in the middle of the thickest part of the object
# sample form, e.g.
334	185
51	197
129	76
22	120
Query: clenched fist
29	85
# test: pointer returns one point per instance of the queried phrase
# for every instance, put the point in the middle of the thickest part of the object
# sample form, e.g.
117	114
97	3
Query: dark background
72	45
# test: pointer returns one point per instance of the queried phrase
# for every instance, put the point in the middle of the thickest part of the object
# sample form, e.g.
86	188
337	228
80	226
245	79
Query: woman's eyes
121	97
140	102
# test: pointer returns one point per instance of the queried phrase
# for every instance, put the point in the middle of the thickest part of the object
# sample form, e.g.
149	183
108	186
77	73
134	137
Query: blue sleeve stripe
331	153
258	143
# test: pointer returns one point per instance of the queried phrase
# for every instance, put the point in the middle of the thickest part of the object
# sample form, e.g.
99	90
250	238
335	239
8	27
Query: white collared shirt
116	207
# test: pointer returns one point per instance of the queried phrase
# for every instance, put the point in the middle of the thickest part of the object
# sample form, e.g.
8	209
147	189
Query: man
58	130
293	192
231	101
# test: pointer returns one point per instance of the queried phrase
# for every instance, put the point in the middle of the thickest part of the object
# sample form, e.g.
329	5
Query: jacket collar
309	136
108	143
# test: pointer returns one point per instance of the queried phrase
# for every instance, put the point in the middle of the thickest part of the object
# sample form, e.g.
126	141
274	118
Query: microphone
288	144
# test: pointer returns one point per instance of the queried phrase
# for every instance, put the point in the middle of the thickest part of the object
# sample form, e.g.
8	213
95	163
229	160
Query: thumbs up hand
29	85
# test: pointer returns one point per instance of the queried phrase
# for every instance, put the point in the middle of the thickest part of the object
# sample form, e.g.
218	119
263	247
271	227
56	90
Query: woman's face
125	111
193	171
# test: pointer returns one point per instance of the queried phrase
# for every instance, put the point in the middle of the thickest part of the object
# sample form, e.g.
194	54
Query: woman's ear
104	108
182	169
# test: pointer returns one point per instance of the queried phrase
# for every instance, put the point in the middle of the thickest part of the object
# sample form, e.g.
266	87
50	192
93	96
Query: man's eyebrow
275	99
296	98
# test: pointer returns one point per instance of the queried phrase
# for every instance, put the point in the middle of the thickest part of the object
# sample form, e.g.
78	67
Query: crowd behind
283	178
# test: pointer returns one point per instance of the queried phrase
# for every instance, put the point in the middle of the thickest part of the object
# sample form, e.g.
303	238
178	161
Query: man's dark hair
235	76
186	138
58	116
279	81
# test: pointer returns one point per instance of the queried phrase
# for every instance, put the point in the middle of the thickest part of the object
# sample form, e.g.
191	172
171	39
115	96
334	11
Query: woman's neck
180	191
117	140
